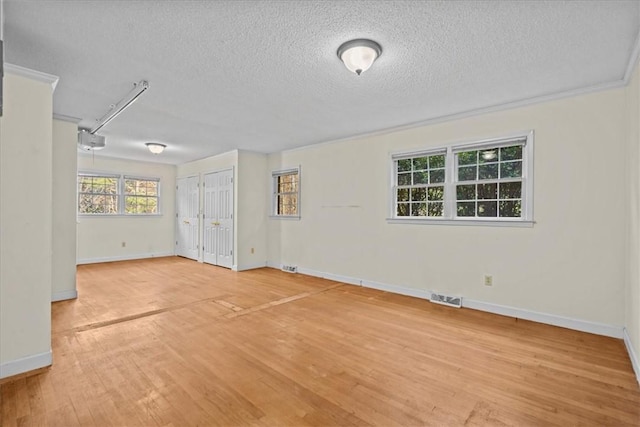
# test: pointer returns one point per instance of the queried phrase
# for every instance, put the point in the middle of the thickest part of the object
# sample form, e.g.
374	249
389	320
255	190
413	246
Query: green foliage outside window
420	186
101	195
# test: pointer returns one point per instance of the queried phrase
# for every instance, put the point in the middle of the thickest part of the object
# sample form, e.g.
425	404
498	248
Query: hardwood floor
170	342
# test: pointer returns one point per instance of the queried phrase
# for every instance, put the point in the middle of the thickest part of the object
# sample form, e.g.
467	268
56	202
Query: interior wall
253	210
65	166
25	224
217	163
101	237
632	296
571	263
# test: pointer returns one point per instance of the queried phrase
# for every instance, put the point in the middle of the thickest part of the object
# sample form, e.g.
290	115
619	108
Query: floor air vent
290	268
446	300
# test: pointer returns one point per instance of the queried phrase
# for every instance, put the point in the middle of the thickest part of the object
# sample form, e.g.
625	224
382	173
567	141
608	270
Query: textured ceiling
264	75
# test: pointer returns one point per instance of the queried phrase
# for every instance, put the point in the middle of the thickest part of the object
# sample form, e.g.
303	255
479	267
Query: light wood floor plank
171	342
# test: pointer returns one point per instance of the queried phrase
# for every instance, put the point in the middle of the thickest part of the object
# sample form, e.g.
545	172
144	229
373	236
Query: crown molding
633	60
64	118
471	113
32	74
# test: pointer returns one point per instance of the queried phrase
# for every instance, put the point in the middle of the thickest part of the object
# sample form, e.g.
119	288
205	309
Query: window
141	195
98	194
488	181
286	193
420	186
103	194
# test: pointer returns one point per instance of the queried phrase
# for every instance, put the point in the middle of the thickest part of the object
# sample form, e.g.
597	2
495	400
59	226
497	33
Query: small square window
141	196
98	194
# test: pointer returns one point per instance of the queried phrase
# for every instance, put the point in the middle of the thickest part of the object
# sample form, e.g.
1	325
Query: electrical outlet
488	280
124	244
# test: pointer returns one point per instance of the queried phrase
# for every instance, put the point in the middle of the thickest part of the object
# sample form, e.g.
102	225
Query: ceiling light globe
489	154
358	55
155	148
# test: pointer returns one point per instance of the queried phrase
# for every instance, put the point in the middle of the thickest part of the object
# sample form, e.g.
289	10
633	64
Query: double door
215	207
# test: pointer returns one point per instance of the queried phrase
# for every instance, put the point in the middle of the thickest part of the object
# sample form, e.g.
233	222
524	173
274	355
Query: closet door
218	218
187	224
224	256
209	240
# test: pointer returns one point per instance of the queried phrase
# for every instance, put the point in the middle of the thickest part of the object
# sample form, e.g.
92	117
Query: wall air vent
449	300
289	268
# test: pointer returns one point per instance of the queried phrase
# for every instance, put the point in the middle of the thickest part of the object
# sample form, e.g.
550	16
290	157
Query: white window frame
274	193
98	175
121	195
450	217
158	197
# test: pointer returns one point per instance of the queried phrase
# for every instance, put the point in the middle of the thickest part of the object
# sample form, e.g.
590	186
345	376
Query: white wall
222	161
632	296
571	263
25	225
100	238
200	167
63	284
252	210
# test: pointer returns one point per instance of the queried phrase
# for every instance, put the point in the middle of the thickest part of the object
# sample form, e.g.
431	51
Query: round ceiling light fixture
155	147
489	155
358	55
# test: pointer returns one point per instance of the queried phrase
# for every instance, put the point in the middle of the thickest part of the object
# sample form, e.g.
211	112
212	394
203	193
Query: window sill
119	215
471	222
287	217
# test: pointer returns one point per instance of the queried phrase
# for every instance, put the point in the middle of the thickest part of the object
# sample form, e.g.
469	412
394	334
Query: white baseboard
64	295
329	276
549	319
124	257
418	293
520	313
635	362
249	266
25	364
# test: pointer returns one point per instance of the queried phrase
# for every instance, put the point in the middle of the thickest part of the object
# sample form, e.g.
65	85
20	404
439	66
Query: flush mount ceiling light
489	154
155	147
358	55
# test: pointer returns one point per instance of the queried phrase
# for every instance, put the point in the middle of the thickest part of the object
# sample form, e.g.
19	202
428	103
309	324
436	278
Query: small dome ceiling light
489	155
358	55
155	147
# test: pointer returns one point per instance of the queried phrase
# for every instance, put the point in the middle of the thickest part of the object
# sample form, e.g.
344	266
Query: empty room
319	213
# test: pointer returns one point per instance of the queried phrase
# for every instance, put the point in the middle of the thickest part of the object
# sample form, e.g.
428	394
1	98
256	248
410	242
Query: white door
218	218
187	217
209	217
